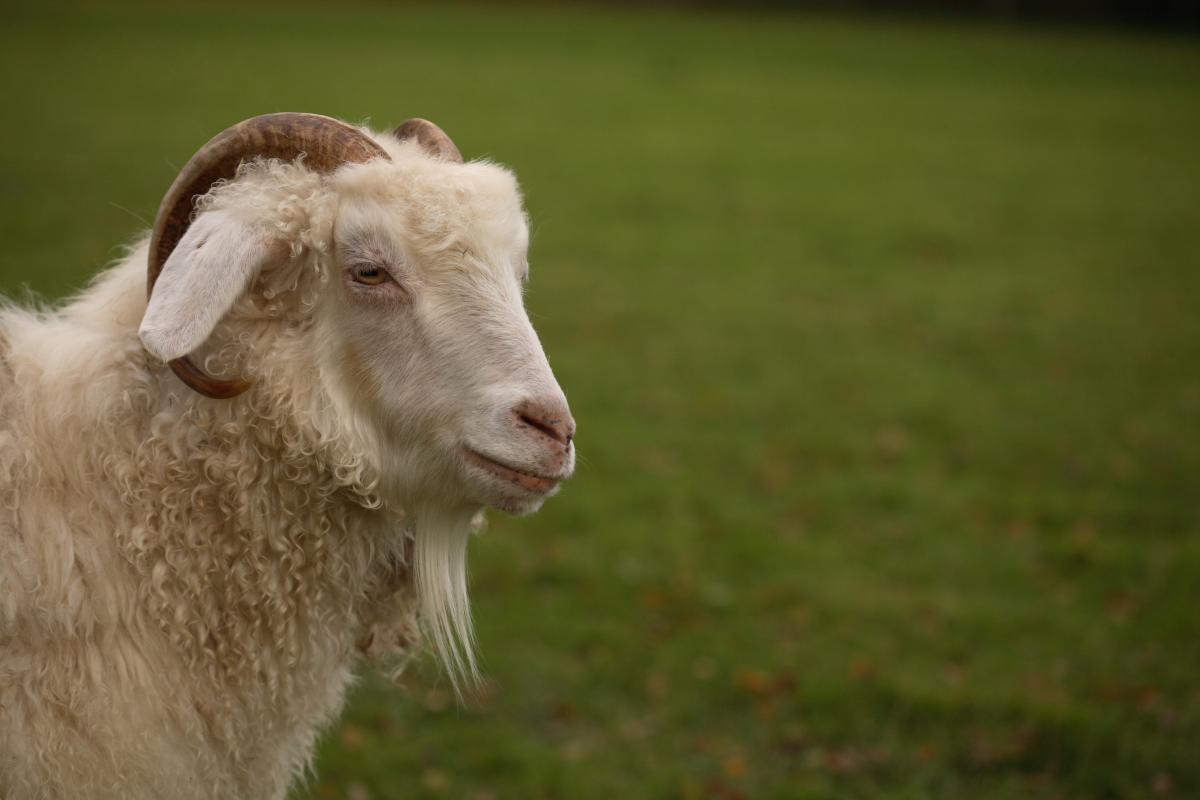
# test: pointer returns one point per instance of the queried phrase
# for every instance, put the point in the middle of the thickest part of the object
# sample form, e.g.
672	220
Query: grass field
883	338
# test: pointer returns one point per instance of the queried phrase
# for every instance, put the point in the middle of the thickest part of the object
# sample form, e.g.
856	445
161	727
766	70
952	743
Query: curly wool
170	624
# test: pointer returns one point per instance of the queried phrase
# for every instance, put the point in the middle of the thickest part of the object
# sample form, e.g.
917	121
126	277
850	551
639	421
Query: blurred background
880	324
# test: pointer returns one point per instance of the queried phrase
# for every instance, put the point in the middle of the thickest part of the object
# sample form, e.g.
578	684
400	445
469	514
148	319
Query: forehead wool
439	204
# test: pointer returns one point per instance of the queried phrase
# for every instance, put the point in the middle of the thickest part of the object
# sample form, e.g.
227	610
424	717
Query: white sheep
191	567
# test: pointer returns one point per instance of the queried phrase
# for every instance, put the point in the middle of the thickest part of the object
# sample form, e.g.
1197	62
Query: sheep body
187	585
158	576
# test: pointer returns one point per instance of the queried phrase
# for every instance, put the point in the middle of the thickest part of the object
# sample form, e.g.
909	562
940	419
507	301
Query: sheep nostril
552	421
544	427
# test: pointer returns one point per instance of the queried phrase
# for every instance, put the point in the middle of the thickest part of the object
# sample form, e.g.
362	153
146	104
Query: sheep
230	480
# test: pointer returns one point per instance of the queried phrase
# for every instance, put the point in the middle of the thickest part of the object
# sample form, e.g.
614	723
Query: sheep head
418	327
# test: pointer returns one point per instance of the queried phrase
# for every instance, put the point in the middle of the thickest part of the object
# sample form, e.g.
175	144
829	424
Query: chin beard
440	570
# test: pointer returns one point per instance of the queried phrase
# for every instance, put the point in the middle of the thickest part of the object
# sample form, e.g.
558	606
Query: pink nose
551	419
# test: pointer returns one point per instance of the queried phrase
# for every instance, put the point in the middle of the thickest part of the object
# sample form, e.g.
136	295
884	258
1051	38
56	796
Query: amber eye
368	274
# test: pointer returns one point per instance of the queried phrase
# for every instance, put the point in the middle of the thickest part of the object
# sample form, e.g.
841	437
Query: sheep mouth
529	481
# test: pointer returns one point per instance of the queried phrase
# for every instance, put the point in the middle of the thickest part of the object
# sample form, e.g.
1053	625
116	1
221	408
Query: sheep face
424	323
419	327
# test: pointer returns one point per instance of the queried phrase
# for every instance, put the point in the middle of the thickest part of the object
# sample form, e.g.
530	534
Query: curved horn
326	144
431	137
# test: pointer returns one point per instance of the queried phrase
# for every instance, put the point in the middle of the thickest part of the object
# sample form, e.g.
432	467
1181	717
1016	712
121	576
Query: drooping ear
210	268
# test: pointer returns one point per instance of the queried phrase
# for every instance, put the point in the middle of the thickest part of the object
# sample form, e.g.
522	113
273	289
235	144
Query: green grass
884	342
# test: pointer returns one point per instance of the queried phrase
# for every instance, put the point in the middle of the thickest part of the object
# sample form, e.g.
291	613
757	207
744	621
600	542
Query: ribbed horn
326	144
431	137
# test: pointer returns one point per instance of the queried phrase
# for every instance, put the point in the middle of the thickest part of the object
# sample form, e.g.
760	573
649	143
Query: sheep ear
210	268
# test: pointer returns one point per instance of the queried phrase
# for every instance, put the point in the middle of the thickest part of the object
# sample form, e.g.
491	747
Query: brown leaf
861	668
734	767
352	736
754	681
722	791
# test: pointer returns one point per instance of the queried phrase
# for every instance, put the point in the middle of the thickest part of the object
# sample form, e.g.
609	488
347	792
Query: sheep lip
530	482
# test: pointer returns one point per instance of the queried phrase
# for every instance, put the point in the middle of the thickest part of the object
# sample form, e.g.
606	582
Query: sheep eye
368	274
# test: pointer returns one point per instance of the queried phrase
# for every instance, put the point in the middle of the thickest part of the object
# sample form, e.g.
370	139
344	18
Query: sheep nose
551	418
